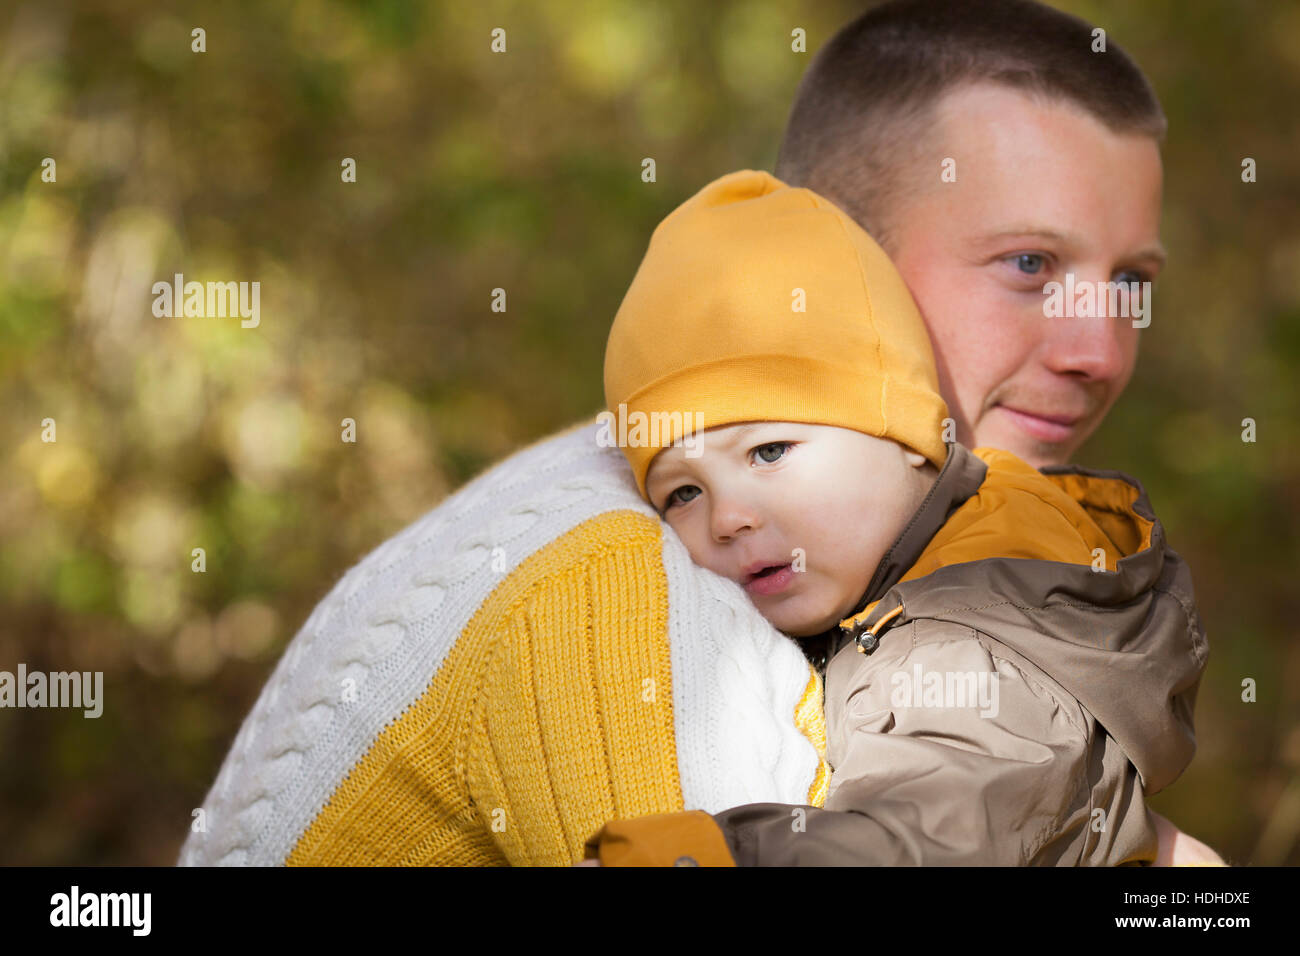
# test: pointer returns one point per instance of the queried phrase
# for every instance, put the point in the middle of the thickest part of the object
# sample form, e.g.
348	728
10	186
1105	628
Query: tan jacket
1021	670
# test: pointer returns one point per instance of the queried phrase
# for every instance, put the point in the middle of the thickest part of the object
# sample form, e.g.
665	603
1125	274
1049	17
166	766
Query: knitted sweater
533	658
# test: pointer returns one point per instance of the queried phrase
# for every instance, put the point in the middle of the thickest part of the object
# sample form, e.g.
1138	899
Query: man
1057	163
536	657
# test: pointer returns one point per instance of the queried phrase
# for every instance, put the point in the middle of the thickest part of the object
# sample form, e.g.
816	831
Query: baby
1011	656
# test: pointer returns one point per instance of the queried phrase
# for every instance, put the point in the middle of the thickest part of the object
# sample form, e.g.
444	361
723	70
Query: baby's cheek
695	542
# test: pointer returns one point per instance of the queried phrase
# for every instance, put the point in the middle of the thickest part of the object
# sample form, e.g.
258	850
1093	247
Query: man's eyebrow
1154	252
1019	231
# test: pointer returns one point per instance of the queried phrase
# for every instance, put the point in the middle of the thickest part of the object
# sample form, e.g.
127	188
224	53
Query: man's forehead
981	99
1011	130
1029	166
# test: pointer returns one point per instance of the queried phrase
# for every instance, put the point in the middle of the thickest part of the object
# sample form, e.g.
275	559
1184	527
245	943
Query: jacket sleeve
690	838
943	753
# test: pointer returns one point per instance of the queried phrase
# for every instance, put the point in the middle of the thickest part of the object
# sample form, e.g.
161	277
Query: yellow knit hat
757	301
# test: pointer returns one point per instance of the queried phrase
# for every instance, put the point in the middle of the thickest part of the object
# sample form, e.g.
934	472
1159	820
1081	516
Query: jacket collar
1124	640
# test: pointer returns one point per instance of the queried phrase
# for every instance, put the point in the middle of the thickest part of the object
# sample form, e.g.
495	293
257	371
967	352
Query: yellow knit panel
575	727
405	803
810	718
551	714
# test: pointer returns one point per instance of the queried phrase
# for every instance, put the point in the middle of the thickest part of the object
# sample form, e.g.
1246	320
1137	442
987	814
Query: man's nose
1087	346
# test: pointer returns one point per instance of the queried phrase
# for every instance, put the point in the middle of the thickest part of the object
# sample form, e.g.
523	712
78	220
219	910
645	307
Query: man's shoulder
370	645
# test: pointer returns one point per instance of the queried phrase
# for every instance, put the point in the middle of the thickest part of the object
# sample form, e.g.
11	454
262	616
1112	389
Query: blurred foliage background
522	171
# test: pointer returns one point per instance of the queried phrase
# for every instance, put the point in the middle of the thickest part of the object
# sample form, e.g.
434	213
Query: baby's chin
801	625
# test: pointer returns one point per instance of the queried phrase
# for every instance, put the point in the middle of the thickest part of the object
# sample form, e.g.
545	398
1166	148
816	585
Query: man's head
774	495
1055	149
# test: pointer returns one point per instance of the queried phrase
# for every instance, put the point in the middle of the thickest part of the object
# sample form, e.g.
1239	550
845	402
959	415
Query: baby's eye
672	497
782	445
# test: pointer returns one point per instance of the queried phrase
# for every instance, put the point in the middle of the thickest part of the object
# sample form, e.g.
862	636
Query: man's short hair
869	96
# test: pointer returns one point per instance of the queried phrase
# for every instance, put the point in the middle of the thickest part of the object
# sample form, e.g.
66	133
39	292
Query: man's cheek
1130	341
974	380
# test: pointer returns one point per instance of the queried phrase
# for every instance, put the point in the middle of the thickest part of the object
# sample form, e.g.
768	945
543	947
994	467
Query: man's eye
672	498
1131	275
1030	263
782	445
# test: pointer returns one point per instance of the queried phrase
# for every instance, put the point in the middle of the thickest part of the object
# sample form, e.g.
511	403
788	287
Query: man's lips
1049	428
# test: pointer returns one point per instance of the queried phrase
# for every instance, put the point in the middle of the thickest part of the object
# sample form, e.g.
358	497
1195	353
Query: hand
1178	849
594	862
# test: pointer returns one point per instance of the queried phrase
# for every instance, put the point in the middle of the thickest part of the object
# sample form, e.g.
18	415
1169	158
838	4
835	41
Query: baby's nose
731	518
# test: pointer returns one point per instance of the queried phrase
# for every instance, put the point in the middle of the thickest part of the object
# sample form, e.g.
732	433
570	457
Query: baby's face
821	503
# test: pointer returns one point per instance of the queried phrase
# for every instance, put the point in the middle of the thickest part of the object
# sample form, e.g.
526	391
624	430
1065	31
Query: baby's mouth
764	572
770	580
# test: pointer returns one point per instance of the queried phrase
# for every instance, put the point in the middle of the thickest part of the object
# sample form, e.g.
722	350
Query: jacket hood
1069	567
